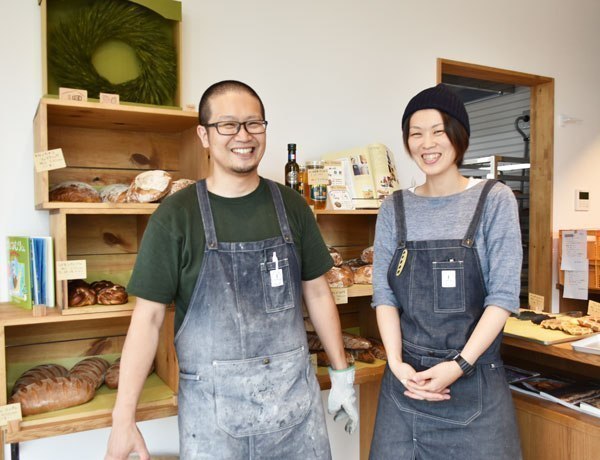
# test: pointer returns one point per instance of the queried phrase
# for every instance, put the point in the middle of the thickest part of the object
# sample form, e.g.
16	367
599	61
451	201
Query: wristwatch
468	369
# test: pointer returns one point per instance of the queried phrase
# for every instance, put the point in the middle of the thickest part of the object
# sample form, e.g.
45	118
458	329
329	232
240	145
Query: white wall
333	75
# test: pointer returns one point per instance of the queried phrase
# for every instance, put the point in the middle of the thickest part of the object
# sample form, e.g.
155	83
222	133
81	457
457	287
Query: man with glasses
237	253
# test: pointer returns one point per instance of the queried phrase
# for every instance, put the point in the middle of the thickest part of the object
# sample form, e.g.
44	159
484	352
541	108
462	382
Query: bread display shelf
360	290
101	208
27	340
129	306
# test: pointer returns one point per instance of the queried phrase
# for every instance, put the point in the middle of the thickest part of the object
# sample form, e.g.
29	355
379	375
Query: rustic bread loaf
336	256
112	295
111	379
149	186
53	393
97	286
37	374
180	184
367	255
92	369
355	342
323	359
363	275
314	343
377	349
74	191
340	277
81	296
114	193
364	356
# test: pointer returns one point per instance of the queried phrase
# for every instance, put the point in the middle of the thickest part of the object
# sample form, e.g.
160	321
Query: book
370	173
31	271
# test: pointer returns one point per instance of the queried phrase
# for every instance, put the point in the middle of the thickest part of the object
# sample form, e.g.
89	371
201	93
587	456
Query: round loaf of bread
363	275
180	184
75	192
367	255
81	296
336	256
112	295
149	186
340	277
114	193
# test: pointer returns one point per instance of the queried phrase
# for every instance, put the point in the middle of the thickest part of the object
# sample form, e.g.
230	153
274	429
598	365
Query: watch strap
468	369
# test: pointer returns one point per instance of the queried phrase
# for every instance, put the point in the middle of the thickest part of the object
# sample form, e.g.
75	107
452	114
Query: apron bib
247	389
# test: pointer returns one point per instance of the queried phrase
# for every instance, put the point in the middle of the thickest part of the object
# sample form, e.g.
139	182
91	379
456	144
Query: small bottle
302	182
292	169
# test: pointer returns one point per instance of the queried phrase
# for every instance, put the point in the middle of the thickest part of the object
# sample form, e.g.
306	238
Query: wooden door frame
542	164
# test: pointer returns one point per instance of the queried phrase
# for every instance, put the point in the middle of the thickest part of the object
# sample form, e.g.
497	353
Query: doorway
541	152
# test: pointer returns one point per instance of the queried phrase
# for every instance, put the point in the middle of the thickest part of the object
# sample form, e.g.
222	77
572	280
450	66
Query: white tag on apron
277	274
448	278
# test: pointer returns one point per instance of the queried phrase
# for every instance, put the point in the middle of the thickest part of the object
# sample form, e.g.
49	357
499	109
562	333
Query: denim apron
247	389
440	289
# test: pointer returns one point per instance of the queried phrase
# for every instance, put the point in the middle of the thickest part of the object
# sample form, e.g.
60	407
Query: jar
317	184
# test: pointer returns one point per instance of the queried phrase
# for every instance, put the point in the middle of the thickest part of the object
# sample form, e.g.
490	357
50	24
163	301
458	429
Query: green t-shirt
173	244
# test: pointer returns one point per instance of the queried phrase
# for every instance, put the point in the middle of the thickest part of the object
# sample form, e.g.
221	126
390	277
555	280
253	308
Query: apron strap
280	210
469	238
210	234
400	218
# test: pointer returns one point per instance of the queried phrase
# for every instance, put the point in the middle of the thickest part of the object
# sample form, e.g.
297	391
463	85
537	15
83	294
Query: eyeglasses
231	128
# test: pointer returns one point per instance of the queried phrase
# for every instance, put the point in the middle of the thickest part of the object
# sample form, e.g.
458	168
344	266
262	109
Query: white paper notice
576	285
574	250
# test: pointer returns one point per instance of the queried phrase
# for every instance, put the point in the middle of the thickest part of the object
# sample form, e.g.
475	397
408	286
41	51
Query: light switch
582	200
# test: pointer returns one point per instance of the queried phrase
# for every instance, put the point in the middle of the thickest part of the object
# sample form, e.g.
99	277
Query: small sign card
49	160
108	98
340	295
339	197
593	308
536	302
72	94
71	270
9	413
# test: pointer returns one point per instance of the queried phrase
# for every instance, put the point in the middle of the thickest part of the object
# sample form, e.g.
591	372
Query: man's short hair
223	87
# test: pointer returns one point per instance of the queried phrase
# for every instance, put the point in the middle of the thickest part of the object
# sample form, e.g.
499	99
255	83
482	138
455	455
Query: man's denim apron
441	292
247	389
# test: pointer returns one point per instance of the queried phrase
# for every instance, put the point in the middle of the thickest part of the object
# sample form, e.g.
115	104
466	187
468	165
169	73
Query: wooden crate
116	56
593	255
26	341
105	144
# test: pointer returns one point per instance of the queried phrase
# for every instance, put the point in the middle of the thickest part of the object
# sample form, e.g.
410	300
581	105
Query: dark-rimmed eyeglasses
231	128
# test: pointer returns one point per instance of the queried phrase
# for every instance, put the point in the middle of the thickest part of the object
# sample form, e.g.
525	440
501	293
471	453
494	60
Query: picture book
19	271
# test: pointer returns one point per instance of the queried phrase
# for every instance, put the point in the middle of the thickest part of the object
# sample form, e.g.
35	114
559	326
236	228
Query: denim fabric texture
441	292
247	389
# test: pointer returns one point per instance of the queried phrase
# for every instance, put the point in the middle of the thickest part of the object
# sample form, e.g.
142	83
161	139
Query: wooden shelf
360	290
560	350
99	208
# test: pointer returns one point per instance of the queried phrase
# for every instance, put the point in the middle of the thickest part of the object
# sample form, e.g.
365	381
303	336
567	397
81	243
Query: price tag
108	98
340	294
536	302
9	413
71	270
593	308
72	94
49	160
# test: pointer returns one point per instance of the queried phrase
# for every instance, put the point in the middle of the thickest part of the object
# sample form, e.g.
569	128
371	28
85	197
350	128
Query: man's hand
342	399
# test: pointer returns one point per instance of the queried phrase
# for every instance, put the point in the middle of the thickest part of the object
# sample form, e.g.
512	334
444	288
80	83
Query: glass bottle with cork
292	169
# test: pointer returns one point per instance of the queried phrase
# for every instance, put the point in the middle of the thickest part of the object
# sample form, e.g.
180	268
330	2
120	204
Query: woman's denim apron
440	289
247	389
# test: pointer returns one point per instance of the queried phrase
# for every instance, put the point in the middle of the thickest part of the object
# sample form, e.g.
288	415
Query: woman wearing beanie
446	277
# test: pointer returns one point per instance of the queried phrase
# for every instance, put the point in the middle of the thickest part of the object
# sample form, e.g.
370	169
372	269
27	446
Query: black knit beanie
439	97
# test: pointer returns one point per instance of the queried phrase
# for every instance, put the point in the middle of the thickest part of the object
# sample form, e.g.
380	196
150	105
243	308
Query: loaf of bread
363	275
114	193
340	276
355	342
149	186
92	369
74	191
112	295
37	374
364	356
377	349
367	255
81	296
180	184
97	286
314	343
53	393
354	263
323	359
336	256
112	375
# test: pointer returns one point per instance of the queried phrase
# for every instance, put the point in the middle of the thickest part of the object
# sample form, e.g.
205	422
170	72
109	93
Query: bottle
292	169
302	182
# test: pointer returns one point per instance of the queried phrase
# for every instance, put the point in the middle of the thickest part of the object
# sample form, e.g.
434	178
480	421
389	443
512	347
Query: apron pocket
277	284
462	408
262	395
448	287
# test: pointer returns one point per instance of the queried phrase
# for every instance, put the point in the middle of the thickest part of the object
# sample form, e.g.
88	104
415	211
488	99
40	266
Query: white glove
342	399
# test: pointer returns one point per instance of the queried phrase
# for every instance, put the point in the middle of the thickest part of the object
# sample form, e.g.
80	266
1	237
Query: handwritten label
318	177
593	308
49	160
9	413
340	294
71	270
108	98
536	302
72	94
